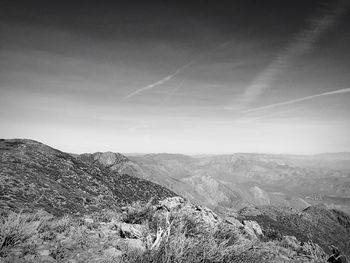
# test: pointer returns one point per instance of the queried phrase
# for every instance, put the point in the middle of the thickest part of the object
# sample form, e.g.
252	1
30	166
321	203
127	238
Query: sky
190	77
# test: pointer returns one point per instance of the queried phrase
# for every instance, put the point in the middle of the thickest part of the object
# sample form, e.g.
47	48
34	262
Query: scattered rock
44	252
88	220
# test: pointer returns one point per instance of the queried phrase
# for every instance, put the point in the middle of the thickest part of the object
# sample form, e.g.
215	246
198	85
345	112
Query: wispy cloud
340	91
176	72
300	45
159	82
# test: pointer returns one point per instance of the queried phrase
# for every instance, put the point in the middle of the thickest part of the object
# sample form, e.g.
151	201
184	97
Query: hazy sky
176	76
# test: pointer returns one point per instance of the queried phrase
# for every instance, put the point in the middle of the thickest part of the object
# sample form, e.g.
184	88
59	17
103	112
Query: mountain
34	175
237	180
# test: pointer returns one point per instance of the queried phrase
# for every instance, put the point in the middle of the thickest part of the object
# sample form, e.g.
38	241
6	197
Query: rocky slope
326	227
34	175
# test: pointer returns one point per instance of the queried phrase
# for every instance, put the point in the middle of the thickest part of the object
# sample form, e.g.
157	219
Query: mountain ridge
34	175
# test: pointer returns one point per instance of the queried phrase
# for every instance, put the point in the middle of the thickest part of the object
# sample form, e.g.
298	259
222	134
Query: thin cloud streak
177	72
302	44
340	91
159	82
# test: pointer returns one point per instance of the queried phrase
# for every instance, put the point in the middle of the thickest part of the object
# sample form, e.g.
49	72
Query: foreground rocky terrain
171	231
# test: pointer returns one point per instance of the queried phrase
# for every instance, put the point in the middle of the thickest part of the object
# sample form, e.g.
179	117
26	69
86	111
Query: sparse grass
59	251
167	237
17	229
107	216
61	225
80	237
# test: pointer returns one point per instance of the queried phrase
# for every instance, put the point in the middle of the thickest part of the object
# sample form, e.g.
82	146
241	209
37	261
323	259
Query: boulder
171	203
252	227
233	221
130	230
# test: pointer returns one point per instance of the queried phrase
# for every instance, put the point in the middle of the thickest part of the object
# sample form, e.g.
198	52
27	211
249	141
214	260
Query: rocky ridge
34	175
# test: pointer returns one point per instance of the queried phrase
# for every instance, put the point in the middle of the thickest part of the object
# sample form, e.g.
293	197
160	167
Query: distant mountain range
242	179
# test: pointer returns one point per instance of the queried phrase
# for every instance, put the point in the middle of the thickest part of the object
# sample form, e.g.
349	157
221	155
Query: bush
106	216
61	225
138	212
179	237
18	228
59	252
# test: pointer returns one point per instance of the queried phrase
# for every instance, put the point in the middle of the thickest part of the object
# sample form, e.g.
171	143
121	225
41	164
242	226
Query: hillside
34	175
323	226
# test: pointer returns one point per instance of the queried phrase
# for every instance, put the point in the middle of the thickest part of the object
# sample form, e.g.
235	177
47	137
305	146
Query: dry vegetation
143	233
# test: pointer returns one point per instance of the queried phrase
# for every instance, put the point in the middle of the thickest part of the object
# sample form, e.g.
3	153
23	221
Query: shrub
48	235
29	249
18	228
179	237
59	252
106	216
138	212
80	237
271	234
61	225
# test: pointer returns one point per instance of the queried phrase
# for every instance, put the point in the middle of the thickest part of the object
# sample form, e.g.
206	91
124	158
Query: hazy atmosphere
176	76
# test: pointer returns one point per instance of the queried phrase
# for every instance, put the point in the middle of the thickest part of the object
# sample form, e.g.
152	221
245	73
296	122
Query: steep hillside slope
323	226
34	175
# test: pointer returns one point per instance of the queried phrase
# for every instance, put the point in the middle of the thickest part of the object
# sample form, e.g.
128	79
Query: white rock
44	252
253	226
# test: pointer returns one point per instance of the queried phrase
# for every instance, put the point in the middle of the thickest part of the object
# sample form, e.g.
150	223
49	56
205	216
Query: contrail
177	72
303	42
159	82
340	91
